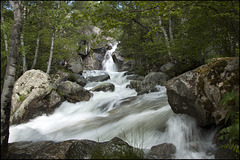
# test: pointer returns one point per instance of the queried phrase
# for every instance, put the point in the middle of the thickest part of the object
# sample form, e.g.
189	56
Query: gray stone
149	82
104	87
76	65
30	88
73	92
80	80
74	149
162	151
99	78
198	92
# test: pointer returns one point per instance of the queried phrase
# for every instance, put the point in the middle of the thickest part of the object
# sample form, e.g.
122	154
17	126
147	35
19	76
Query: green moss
22	97
71	77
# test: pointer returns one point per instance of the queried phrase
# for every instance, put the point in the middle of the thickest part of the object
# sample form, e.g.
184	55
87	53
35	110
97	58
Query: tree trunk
51	53
4	35
170	28
165	35
24	66
36	52
38	38
9	79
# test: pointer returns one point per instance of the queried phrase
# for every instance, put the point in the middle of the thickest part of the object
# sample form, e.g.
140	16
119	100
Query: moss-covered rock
198	92
33	86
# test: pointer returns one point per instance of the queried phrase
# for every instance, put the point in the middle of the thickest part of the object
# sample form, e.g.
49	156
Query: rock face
149	82
73	92
30	95
104	87
74	149
162	151
198	92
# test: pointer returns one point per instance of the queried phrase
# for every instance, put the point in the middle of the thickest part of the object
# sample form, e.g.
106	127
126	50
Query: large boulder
198	92
73	92
76	65
74	149
149	82
31	97
162	151
63	76
104	87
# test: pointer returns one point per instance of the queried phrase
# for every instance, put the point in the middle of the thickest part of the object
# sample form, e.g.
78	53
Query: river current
143	121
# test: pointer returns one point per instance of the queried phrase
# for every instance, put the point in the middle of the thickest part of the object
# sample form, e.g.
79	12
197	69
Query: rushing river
142	121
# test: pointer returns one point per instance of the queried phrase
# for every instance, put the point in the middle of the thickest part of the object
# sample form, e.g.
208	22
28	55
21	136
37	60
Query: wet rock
162	151
30	89
198	92
98	78
74	149
104	87
118	59
73	92
80	79
149	82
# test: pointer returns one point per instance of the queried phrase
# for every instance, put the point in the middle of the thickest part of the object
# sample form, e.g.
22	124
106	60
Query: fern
231	132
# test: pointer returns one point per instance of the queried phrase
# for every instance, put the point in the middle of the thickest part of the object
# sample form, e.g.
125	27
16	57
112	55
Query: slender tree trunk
9	79
170	28
51	53
24	66
36	52
165	35
4	35
38	38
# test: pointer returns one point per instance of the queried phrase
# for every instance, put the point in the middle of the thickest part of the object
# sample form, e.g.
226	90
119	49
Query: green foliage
231	131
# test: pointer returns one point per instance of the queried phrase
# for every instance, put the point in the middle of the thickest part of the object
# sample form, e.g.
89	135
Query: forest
152	33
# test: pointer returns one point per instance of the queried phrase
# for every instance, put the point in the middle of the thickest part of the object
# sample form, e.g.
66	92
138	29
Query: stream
142	121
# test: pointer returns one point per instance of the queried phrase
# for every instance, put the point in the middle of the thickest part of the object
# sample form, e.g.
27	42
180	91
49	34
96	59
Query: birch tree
10	76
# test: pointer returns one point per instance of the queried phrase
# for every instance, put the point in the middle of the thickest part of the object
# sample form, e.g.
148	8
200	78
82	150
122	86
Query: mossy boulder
198	92
32	88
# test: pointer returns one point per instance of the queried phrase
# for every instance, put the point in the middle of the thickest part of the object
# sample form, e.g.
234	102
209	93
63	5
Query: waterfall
142	121
108	63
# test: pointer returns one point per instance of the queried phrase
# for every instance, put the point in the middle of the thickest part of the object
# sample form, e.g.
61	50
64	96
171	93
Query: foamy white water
142	121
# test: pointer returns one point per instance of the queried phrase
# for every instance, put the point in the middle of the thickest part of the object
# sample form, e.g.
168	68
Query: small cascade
108	63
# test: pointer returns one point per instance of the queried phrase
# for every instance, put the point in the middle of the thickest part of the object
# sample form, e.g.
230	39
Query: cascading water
108	63
142	121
